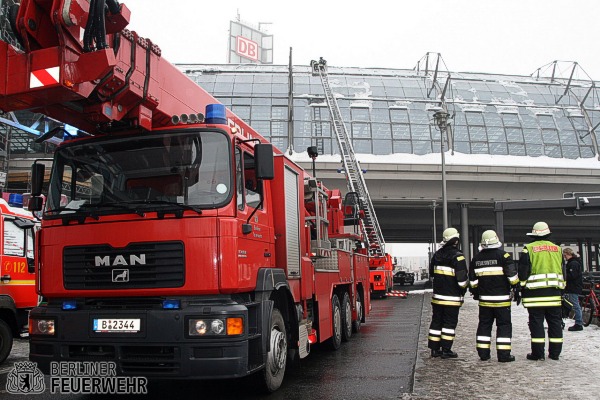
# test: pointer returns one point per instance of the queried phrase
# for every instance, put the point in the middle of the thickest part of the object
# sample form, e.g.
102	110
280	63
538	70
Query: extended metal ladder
354	177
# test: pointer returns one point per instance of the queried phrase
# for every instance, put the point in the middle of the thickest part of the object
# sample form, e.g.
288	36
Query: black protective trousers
487	315
442	328
553	317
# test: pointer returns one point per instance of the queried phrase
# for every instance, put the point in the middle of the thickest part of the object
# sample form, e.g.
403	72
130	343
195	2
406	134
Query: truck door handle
5	278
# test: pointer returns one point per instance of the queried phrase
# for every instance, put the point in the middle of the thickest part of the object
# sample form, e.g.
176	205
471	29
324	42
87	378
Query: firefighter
448	270
541	279
492	273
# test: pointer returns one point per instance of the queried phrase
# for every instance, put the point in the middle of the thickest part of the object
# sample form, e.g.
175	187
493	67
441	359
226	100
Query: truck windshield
117	175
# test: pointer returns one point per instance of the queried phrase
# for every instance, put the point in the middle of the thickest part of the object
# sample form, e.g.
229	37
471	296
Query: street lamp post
433	207
441	119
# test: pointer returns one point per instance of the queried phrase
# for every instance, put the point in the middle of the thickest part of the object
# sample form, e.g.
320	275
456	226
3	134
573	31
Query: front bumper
162	348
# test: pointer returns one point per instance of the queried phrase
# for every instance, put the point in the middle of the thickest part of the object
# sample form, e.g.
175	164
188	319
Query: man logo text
105	261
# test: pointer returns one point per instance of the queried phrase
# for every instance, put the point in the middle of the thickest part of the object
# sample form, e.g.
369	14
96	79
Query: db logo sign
247	48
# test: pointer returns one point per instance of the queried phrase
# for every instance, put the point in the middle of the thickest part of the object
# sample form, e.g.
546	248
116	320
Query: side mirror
35	204
23	223
30	265
246	228
263	159
37	179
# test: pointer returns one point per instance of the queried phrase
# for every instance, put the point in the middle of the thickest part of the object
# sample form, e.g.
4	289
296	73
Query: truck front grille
137	266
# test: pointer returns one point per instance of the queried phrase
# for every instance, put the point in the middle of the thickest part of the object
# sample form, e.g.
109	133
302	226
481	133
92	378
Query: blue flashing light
216	114
170	304
69	305
15	200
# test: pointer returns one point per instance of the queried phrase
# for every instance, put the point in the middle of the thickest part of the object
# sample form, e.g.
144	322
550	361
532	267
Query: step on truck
175	240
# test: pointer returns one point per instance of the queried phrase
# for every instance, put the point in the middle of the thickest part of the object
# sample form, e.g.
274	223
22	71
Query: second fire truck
17	276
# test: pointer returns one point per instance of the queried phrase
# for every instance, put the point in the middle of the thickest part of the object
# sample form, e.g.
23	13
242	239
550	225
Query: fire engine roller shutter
292	222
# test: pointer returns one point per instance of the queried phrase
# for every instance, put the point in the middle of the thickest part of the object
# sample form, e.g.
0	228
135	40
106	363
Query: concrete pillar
476	235
464	230
500	225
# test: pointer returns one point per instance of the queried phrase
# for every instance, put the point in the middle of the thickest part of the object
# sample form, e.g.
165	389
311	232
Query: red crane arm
82	67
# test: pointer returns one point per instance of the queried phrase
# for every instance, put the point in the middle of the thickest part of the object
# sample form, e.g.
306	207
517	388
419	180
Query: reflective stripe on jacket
492	272
541	275
546	265
448	268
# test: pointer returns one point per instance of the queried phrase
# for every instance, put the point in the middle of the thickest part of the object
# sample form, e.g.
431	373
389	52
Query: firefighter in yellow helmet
541	276
448	268
492	272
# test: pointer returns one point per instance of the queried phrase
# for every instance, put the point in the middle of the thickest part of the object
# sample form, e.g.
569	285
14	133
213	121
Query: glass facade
389	111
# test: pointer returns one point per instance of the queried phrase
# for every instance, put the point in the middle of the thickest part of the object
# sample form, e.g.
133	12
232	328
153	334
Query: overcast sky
493	36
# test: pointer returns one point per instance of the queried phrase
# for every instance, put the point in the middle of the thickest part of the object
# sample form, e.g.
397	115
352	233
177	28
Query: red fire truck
188	246
17	279
382	275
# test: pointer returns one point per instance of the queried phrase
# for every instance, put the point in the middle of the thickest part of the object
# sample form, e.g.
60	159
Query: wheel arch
8	313
273	291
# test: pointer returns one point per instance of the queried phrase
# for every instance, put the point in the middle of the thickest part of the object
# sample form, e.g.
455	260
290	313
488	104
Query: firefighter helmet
540	229
489	237
449	233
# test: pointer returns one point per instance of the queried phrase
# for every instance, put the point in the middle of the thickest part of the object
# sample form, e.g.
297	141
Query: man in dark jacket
448	268
574	278
492	272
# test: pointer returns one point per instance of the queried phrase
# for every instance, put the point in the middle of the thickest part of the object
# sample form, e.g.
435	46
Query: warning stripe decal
15	282
44	77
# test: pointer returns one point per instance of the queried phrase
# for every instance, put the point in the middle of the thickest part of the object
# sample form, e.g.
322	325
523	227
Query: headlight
41	326
215	326
200	327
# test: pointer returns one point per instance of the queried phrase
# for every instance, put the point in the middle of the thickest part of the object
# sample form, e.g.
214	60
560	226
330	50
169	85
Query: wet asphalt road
377	363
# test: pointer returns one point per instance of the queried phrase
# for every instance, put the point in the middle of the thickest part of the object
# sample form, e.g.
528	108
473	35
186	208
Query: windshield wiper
78	215
117	206
165	206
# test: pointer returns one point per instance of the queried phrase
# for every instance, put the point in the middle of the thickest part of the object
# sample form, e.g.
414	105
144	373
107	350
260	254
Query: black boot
576	327
533	357
508	358
436	353
447	353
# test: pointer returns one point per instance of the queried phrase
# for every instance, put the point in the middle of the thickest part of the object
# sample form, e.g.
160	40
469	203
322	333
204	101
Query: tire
271	376
587	311
6	340
346	318
360	312
335	340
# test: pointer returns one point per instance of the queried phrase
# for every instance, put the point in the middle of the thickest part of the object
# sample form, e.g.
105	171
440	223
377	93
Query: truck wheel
272	375
346	318
360	312
6	340
335	340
